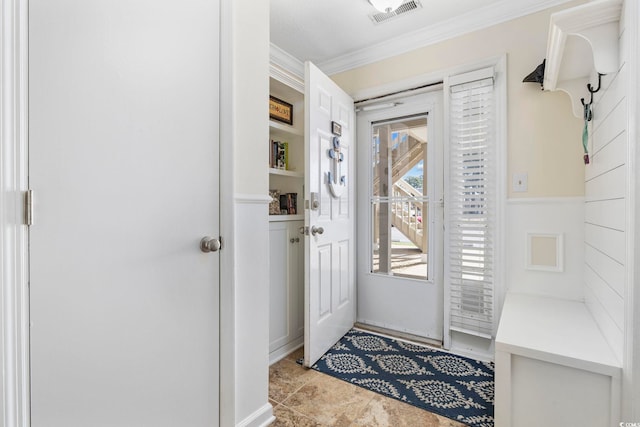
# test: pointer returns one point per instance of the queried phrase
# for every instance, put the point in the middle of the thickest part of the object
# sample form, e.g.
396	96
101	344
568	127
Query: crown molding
286	68
497	13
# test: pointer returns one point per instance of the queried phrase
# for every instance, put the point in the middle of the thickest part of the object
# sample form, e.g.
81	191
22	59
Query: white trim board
227	374
260	418
253	199
631	355
14	295
544	200
286	68
491	15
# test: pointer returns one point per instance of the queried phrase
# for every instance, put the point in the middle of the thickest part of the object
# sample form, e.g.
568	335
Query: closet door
123	165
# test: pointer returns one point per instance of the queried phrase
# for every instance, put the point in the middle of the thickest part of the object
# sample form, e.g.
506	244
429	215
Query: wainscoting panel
606	206
556	215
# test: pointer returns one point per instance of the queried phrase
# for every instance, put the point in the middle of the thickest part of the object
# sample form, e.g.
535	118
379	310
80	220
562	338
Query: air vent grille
405	7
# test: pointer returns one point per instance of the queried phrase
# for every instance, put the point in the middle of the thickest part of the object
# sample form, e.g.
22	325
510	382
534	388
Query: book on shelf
289	203
279	155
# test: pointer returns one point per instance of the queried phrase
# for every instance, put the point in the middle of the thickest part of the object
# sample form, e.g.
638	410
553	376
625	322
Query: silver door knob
316	230
209	244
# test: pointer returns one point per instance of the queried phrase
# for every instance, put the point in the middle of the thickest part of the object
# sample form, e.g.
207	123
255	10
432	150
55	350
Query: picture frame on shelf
280	110
274	205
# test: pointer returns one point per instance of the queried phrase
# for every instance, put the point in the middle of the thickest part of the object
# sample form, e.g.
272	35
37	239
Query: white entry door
123	160
400	214
330	300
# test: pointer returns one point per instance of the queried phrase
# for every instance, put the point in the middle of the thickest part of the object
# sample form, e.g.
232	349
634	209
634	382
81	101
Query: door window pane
399	199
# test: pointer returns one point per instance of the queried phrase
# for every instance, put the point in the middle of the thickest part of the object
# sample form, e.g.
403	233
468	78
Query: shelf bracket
582	39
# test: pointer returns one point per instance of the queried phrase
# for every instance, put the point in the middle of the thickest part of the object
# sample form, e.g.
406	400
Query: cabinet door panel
278	285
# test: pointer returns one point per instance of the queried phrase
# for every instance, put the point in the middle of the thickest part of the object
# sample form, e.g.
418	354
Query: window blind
472	200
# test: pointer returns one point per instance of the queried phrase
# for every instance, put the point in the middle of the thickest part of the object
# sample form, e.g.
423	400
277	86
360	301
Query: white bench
553	366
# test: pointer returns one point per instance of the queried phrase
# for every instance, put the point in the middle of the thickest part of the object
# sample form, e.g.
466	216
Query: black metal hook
588	113
590	88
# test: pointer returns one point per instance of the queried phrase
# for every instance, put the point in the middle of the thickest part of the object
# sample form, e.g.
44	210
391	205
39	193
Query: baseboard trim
260	418
285	350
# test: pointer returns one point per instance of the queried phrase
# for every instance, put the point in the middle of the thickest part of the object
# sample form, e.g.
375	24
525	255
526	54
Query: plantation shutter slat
472	198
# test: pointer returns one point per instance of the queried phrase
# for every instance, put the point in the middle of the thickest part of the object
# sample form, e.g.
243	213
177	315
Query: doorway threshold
404	336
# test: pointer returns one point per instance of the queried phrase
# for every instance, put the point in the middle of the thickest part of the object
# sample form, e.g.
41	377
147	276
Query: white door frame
14	281
13	233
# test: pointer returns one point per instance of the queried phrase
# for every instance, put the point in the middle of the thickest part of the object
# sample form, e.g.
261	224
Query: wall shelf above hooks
582	39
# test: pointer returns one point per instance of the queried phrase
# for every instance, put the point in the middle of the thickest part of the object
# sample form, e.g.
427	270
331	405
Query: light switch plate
520	182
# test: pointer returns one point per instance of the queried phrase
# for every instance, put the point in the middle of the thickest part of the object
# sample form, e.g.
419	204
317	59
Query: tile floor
306	398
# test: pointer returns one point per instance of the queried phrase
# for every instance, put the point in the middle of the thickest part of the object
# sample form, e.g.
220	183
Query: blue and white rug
455	387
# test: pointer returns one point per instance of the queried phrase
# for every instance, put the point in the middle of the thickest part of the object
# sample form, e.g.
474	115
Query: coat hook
590	88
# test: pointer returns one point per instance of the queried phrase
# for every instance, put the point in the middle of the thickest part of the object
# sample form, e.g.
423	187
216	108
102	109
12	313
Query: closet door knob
209	244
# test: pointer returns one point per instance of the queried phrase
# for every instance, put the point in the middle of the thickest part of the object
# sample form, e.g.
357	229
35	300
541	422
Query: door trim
14	234
226	373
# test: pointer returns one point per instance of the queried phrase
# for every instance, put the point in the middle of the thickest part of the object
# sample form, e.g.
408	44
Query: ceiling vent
406	7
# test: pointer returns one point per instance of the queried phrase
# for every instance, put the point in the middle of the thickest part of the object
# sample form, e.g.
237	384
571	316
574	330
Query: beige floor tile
285	377
386	412
298	354
286	417
329	401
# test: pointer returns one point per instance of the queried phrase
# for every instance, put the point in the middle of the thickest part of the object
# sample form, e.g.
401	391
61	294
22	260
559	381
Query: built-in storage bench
553	366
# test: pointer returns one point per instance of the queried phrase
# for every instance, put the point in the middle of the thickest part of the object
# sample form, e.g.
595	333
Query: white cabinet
286	288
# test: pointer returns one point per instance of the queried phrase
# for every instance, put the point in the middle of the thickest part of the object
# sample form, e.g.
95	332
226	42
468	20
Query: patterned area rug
455	387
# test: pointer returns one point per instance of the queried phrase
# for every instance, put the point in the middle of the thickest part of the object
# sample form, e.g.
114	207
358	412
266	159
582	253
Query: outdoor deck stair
411	156
408	213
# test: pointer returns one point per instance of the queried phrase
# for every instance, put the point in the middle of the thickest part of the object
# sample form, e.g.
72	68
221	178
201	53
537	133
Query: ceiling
339	34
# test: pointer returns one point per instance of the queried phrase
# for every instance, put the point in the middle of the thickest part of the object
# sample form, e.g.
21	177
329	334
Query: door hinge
28	207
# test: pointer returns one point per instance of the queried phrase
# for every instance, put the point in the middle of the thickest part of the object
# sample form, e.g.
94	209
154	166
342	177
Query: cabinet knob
292	240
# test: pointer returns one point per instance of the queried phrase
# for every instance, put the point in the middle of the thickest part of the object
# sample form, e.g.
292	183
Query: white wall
543	135
605	205
244	221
